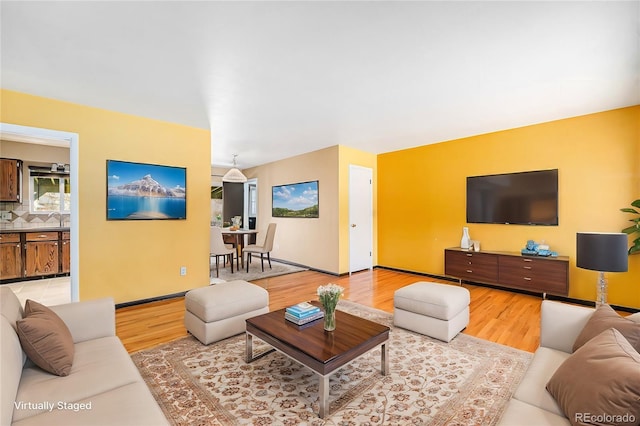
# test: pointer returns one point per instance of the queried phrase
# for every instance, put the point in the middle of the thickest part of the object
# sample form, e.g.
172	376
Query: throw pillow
604	318
600	382
46	339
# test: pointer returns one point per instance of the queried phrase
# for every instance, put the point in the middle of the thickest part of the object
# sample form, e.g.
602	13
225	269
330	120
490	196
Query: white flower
329	295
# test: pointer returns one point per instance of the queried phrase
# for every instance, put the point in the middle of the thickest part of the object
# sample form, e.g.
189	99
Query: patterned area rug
255	271
465	382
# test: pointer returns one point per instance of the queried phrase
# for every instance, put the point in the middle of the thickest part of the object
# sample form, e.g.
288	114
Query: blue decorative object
534	249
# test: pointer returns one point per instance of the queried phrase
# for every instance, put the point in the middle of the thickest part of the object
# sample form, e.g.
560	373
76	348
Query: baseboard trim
151	299
514	290
424	274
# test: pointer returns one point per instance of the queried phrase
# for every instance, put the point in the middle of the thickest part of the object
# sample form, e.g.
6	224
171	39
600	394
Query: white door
360	218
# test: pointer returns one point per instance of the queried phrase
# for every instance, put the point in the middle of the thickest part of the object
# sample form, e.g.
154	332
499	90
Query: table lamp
602	252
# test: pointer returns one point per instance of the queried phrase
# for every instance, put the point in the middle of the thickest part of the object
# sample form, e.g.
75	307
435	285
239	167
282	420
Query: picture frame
141	191
296	200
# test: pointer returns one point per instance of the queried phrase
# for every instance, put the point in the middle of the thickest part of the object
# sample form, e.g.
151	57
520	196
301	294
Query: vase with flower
329	295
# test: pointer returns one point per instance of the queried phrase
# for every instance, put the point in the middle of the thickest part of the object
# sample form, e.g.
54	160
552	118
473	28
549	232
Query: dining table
238	239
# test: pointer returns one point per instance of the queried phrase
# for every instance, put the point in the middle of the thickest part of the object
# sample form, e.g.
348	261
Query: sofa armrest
561	323
89	319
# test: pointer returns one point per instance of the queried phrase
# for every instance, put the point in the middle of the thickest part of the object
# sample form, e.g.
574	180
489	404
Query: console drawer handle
469	271
527	279
526	267
527	260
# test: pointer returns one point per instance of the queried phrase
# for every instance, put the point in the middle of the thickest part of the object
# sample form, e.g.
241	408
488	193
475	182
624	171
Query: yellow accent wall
422	194
350	156
128	260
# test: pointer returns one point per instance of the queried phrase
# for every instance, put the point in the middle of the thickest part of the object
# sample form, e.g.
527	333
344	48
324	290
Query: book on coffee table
302	310
304	320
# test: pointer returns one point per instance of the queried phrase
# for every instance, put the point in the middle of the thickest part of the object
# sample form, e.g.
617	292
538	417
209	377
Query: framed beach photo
139	191
295	200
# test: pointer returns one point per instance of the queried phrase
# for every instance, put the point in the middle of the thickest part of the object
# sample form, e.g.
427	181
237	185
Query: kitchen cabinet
41	253
65	252
11	256
510	270
10	179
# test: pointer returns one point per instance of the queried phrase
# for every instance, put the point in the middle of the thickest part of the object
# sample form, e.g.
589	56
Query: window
253	200
49	193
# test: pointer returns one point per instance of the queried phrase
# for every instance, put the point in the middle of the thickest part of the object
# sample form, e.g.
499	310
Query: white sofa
104	386
532	404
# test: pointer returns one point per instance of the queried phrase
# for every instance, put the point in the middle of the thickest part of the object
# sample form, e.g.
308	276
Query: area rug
255	271
465	382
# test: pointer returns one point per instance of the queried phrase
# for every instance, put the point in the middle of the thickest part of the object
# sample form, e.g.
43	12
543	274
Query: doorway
360	218
70	139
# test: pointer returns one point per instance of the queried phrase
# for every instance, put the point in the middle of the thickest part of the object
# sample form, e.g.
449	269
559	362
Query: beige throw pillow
46	339
600	382
604	318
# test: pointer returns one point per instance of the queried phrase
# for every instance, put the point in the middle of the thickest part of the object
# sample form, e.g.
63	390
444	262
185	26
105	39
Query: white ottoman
436	310
219	311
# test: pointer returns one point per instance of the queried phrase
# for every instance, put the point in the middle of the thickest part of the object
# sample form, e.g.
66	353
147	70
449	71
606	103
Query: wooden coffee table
322	351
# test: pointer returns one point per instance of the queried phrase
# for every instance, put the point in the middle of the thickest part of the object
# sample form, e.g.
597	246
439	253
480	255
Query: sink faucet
59	217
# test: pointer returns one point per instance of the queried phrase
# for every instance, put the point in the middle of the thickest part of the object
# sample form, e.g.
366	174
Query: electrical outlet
183	271
4	215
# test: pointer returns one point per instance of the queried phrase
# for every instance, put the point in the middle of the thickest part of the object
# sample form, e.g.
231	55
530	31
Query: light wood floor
504	317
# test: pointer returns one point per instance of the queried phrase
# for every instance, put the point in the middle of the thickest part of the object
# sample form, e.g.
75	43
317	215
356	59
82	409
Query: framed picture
139	191
295	200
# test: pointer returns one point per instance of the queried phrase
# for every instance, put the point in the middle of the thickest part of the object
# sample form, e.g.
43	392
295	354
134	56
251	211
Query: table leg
240	248
384	359
248	349
323	396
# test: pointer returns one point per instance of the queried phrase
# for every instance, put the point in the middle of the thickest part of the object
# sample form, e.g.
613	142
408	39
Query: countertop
34	229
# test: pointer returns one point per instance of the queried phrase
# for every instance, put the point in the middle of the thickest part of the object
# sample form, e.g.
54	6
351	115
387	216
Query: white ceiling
276	79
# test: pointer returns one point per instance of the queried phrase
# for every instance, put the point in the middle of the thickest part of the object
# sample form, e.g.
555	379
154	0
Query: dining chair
265	248
218	249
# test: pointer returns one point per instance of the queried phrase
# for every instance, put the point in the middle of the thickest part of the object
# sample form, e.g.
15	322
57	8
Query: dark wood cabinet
10	177
65	252
10	256
472	266
41	253
542	275
510	270
30	255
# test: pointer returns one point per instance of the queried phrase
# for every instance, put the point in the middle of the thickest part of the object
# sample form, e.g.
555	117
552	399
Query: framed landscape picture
139	191
296	200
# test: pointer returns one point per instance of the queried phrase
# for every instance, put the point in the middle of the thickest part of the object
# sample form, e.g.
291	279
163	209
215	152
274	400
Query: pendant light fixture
234	175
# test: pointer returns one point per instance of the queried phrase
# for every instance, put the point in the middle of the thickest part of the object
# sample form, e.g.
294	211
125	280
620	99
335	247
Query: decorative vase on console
465	242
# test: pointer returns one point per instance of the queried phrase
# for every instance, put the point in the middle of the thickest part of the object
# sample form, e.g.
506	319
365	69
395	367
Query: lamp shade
604	252
234	175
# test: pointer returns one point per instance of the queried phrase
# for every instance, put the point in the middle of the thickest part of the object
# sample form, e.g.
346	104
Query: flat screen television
525	198
139	191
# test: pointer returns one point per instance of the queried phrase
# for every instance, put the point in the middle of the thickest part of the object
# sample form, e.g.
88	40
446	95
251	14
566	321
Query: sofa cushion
100	365
46	339
524	414
532	387
128	405
12	360
604	318
10	306
600	378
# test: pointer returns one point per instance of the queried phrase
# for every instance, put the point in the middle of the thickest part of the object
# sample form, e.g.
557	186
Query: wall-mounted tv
139	191
525	198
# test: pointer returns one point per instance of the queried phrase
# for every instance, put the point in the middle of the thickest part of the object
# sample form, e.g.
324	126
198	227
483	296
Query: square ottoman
219	311
436	310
